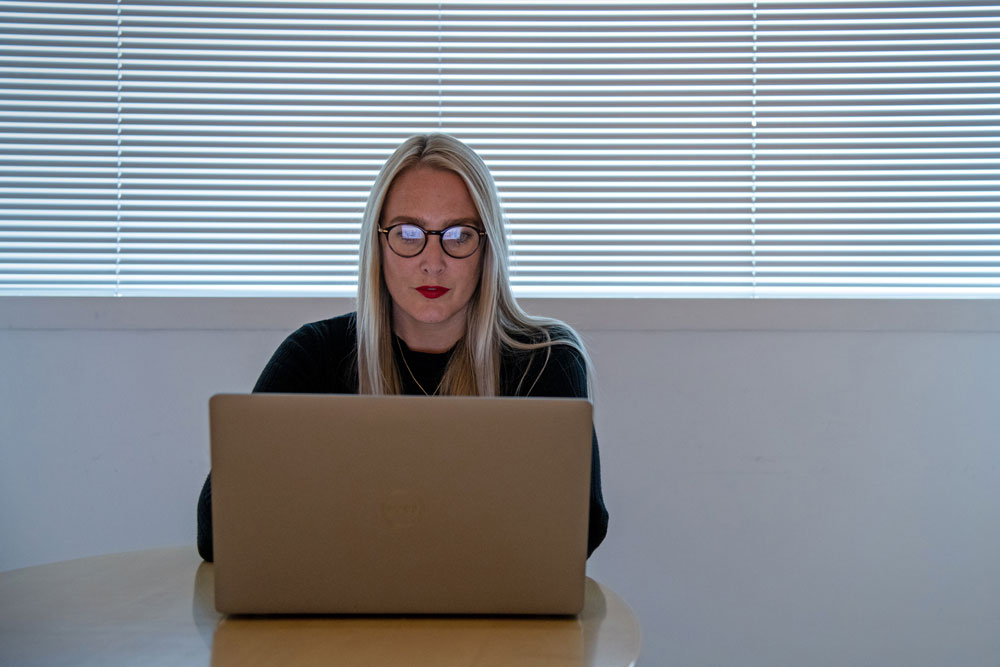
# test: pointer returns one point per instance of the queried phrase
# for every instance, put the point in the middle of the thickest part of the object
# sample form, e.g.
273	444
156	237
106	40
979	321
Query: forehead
429	194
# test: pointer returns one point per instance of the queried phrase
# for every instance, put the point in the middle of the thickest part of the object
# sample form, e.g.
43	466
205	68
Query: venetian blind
650	148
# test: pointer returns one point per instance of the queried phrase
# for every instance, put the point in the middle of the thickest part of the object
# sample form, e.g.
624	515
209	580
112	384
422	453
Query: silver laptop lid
399	504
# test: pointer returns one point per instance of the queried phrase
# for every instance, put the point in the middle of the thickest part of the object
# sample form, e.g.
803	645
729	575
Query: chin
426	313
433	317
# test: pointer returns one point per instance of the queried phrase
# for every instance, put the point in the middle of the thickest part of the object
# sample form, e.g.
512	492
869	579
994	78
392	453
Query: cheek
473	275
391	269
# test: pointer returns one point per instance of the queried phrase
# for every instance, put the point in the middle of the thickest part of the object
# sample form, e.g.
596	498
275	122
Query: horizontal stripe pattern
651	148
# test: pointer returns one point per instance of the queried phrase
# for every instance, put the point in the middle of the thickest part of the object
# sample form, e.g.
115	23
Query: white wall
790	482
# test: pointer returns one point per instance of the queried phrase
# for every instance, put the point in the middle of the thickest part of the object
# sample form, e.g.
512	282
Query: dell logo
401	508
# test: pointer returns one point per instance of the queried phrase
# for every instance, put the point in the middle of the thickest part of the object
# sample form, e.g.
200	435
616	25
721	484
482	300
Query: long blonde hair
494	319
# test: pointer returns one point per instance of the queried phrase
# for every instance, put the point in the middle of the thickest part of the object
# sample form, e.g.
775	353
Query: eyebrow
406	219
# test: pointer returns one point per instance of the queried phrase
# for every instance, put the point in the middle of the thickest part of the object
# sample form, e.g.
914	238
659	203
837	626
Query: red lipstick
433	291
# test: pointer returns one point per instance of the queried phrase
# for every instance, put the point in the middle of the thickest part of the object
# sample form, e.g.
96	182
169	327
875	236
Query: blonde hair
494	319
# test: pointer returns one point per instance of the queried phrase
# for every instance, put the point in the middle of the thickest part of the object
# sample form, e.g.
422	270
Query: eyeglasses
458	241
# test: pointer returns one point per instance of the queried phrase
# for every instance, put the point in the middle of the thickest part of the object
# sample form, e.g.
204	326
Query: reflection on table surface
157	607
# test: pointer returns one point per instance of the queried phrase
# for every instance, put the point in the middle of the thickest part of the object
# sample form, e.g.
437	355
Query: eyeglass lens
409	240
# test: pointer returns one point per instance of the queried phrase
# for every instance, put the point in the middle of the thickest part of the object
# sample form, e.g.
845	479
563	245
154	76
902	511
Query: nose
433	259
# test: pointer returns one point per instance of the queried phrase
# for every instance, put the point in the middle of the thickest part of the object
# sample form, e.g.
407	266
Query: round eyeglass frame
440	234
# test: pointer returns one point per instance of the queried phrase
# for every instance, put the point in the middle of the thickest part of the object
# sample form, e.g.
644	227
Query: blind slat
768	148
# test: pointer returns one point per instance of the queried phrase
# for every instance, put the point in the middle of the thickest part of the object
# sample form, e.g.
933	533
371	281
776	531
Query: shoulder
331	340
315	358
567	365
549	331
550	363
335	331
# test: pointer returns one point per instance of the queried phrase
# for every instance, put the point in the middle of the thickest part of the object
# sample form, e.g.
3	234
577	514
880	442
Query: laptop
345	504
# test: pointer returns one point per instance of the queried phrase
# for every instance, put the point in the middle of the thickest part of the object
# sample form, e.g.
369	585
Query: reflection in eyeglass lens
458	241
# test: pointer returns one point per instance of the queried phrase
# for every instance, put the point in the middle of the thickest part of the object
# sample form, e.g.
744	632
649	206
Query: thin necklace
403	357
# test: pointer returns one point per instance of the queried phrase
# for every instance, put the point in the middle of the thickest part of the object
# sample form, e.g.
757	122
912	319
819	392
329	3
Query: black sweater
321	358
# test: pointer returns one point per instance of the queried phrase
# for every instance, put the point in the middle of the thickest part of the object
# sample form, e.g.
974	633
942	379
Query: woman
436	315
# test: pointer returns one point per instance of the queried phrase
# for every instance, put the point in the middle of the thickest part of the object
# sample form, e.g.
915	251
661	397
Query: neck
432	339
423	337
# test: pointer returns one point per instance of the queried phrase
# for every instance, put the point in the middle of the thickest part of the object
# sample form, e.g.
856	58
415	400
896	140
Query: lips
432	291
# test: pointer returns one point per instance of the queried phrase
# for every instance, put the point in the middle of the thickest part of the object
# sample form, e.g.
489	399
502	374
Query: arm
205	546
314	359
565	375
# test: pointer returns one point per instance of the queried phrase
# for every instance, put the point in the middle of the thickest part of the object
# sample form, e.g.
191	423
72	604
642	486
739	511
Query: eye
410	233
459	234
